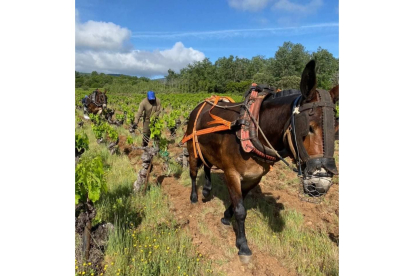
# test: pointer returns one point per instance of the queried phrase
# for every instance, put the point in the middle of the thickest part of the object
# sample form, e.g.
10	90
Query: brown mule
243	171
96	104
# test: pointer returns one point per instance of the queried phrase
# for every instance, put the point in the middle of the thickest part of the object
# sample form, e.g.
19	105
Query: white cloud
248	5
136	62
288	6
101	36
105	47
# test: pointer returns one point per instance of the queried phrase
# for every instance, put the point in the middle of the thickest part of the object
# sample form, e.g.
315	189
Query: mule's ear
308	81
335	93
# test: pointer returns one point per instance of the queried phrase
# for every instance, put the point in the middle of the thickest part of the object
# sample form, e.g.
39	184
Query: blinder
300	124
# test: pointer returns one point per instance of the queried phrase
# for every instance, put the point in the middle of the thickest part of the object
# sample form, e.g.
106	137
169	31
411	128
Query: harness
223	125
296	127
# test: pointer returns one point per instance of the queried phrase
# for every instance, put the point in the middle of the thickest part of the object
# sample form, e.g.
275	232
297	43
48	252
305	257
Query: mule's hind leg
207	185
228	214
194	163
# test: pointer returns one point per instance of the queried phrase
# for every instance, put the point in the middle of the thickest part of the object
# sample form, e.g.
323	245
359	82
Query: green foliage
337	110
119	117
81	141
238	87
98	130
129	140
130	117
156	127
289	82
111	132
170	118
89	180
264	78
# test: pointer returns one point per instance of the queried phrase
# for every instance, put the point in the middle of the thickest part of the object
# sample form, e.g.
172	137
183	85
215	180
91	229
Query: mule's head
315	133
102	98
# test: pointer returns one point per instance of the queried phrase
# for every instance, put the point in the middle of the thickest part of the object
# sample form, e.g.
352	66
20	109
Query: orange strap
223	125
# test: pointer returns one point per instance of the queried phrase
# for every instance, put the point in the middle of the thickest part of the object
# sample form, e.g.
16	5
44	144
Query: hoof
194	199
206	193
225	221
245	259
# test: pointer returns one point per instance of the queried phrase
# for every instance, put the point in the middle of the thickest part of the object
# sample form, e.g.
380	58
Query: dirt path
221	251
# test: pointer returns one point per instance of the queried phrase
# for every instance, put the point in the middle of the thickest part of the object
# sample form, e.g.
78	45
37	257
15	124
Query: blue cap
151	95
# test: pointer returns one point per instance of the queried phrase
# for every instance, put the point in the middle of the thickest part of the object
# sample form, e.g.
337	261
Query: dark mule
95	103
243	171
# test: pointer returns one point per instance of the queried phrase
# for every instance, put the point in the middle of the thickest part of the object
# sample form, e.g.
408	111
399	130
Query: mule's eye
311	130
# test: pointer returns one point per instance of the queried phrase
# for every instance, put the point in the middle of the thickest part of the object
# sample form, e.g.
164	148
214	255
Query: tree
289	82
263	78
327	68
290	59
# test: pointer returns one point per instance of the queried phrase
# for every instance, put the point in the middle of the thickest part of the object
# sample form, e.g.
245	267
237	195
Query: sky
146	38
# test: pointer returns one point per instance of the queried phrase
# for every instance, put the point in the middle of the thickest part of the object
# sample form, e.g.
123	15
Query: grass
146	239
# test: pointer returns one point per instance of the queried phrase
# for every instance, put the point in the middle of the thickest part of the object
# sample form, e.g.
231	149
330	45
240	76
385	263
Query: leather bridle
299	125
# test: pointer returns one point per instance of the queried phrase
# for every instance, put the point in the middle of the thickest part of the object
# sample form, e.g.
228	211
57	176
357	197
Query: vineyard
133	210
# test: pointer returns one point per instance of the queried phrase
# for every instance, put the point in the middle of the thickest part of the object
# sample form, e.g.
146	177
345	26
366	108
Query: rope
267	141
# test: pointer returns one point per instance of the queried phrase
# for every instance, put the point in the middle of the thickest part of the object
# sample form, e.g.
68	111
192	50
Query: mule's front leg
234	186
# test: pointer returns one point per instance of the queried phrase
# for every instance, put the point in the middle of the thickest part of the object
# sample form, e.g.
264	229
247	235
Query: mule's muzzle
318	183
104	106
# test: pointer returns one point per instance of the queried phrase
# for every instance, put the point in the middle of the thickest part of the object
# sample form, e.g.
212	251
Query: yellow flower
155	240
135	245
101	274
112	263
92	274
198	260
89	263
76	267
117	273
133	259
83	273
84	264
178	267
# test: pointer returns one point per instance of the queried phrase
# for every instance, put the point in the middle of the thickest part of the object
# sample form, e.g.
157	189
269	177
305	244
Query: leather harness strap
223	125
